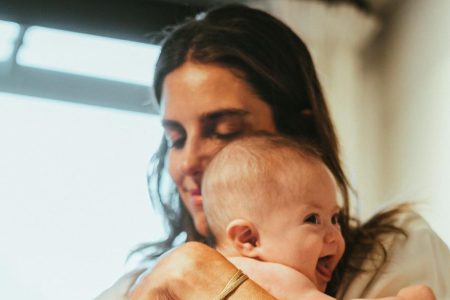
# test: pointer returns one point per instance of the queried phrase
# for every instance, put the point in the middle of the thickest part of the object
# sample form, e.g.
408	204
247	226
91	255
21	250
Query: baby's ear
245	237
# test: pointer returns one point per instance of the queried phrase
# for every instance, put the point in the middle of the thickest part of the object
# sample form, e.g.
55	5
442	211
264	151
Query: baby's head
270	198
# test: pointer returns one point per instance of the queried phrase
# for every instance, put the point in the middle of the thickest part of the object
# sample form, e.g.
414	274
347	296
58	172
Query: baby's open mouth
324	267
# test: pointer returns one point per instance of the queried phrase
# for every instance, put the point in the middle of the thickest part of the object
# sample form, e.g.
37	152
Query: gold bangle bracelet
235	281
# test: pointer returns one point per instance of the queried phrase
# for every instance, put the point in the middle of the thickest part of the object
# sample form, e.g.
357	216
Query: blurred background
77	124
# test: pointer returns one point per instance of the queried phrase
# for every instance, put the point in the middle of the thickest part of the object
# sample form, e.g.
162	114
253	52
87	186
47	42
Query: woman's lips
196	197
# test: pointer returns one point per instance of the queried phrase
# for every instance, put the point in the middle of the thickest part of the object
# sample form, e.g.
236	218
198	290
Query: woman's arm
193	271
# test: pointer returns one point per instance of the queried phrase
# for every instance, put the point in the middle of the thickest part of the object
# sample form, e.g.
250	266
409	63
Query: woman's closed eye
227	136
225	127
224	131
175	139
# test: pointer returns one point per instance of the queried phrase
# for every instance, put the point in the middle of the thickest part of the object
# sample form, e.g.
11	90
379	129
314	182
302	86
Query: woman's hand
193	271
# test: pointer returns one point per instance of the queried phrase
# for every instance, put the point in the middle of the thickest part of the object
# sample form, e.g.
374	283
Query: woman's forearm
193	271
250	290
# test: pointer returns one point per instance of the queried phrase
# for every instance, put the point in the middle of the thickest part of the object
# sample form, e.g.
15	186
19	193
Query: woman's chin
200	224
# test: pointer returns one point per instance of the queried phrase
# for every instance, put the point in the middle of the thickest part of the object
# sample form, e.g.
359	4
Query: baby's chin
320	285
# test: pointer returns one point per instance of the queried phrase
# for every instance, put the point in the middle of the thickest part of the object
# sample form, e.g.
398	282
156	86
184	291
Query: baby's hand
414	292
280	281
419	292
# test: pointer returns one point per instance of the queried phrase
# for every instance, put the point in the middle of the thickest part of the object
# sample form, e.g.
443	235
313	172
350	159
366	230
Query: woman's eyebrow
169	124
218	114
208	117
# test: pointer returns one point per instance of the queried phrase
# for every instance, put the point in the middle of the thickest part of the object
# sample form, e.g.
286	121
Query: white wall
73	196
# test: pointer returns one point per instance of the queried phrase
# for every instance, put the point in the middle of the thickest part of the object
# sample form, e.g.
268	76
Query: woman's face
204	107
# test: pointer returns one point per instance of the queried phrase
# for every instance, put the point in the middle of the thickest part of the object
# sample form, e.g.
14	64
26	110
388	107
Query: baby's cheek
342	246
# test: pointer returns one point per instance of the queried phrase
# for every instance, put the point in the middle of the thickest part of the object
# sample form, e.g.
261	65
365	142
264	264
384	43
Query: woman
233	71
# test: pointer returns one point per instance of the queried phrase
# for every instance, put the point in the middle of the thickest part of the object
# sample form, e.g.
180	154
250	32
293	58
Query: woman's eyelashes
175	139
226	136
223	130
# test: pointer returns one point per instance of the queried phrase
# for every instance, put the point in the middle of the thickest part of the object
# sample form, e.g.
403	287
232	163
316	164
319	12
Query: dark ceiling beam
125	19
54	85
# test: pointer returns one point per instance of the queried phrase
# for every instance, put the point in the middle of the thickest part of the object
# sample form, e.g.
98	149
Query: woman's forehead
196	90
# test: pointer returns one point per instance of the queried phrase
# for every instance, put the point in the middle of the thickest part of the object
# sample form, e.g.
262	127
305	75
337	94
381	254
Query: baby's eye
312	218
335	219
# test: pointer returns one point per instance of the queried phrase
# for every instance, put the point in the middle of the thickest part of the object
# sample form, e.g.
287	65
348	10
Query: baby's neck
227	250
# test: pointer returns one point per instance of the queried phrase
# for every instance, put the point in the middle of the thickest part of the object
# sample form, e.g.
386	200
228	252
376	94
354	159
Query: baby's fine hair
247	174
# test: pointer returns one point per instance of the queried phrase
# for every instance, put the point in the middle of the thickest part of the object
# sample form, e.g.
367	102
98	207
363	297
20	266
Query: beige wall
338	58
388	88
413	65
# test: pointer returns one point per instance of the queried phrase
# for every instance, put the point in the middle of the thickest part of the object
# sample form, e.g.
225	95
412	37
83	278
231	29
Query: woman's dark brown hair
277	65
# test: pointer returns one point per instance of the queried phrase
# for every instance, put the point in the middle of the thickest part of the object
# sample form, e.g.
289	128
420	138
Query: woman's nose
191	162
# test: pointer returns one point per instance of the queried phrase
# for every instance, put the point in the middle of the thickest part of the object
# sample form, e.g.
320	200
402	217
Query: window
73	192
88	55
8	34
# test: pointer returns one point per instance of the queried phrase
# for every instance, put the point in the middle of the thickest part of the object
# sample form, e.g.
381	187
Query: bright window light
73	196
8	34
88	55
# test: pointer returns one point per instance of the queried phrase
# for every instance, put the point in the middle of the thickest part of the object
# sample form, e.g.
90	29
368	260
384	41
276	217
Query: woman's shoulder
419	257
414	226
120	288
412	222
420	239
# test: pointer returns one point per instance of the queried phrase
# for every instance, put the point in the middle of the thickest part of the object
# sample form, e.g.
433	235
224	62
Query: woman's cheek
171	162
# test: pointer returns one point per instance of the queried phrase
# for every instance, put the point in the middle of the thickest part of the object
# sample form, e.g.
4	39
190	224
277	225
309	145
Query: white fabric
422	258
119	290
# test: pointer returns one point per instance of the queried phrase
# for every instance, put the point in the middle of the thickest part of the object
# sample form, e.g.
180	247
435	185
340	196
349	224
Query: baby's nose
331	234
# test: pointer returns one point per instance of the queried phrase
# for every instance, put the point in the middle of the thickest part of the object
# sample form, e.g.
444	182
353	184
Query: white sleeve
421	258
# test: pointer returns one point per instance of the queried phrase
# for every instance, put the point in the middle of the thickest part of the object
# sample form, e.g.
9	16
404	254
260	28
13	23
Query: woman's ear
245	237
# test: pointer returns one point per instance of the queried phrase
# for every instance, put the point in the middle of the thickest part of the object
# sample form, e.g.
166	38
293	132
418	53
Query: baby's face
303	232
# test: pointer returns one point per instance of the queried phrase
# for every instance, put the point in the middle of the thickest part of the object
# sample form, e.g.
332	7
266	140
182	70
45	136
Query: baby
272	209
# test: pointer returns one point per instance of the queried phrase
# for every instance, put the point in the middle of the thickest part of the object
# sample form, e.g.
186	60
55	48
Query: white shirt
422	258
